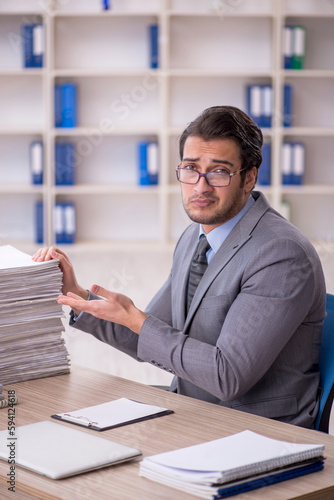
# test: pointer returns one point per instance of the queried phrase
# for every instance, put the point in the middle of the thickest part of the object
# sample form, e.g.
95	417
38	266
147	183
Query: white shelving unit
209	50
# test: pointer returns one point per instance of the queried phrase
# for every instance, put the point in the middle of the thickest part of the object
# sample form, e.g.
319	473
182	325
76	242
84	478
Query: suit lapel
237	238
182	273
233	243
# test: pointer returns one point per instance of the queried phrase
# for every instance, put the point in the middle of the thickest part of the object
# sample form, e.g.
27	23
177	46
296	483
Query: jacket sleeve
119	336
276	293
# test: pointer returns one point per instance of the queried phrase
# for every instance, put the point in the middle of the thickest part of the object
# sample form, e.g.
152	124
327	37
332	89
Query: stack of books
31	343
232	465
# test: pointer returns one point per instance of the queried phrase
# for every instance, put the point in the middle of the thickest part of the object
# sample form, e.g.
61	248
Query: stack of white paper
231	465
31	344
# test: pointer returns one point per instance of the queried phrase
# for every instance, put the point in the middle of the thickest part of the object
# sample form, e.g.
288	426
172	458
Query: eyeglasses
188	175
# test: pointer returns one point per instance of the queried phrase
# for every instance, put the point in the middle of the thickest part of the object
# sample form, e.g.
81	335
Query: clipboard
112	414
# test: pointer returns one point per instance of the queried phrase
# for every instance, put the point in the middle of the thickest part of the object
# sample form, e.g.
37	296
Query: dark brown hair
220	122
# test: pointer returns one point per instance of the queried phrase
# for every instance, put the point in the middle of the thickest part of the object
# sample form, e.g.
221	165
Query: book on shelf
65	97
264	173
36	162
64	164
234	464
294	46
148	163
260	105
293	163
33	45
153	31
31	344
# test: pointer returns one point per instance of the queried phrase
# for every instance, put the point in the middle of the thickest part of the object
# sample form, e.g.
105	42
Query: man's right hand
70	283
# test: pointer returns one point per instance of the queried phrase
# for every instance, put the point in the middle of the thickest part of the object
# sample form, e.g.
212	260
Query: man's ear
251	178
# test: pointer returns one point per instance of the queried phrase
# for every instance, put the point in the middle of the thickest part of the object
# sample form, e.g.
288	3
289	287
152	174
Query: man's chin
202	218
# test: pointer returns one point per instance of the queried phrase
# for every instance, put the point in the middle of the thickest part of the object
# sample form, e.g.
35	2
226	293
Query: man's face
212	206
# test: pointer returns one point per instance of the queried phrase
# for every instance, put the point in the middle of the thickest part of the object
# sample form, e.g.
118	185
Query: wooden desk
193	422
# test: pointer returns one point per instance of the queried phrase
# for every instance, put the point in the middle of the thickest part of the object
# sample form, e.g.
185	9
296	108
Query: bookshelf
209	50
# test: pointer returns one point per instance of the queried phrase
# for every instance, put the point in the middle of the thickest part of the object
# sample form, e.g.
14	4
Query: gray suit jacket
251	338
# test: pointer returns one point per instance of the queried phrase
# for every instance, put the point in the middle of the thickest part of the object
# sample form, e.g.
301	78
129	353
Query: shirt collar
217	236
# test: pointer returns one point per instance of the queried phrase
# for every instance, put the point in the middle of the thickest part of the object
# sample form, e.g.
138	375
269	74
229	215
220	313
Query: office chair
326	365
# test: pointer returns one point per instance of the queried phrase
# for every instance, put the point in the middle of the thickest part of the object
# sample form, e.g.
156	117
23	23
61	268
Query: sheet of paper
112	413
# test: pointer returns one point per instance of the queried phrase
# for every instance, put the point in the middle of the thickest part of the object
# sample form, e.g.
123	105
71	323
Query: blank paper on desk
105	416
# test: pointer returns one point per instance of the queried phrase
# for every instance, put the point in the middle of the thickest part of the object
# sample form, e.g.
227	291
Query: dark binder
268	480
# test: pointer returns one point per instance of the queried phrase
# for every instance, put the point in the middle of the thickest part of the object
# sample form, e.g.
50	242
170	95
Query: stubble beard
220	215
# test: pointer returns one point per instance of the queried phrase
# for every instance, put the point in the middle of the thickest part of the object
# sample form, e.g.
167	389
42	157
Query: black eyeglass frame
230	174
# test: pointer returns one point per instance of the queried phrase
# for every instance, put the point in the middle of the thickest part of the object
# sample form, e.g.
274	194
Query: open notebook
59	451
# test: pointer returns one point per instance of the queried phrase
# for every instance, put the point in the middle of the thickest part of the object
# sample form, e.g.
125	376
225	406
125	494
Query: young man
246	333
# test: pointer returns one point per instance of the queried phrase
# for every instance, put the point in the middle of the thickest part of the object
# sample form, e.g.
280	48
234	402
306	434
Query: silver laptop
57	451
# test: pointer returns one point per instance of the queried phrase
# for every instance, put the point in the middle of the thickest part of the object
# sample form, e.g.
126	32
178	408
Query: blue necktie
197	268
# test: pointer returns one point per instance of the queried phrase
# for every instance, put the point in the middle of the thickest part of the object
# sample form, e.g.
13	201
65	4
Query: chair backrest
326	365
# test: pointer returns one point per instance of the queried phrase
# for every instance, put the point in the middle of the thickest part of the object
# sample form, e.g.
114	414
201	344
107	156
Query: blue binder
143	174
39	227
68	105
64	222
298	163
271	479
266	105
58	221
254	103
64	164
69	222
27	43
287	105
38	45
264	174
288	46
36	162
154	47
286	164
148	163
58	106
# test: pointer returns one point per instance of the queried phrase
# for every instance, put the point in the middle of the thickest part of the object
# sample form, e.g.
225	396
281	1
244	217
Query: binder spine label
36	162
